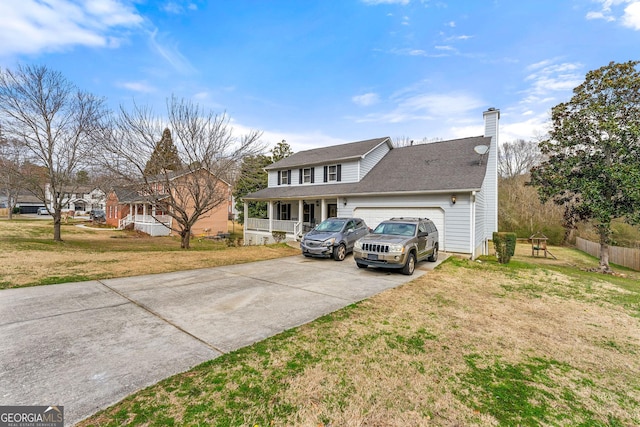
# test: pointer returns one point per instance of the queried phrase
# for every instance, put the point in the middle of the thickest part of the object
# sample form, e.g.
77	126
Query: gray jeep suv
333	237
398	243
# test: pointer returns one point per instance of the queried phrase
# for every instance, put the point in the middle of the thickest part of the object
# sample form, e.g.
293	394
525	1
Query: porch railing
260	224
144	219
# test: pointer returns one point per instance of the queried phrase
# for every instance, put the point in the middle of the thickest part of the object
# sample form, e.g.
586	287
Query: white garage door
374	216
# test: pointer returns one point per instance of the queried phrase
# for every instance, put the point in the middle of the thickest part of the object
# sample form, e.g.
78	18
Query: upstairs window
307	176
333	173
284	177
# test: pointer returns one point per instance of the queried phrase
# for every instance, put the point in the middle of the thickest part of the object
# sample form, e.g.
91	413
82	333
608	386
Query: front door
309	214
333	210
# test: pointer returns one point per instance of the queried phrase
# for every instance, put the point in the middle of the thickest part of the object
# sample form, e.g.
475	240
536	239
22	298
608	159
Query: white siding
349	172
273	179
481	225
372	158
455	233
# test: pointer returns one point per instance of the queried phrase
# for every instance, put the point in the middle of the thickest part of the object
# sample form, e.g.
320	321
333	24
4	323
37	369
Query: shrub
505	244
279	236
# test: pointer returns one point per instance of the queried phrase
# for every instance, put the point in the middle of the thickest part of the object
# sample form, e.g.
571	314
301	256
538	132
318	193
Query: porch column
323	210
246	219
270	216
301	212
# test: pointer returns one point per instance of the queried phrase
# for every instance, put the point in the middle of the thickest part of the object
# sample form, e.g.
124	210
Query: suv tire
410	265
434	256
339	252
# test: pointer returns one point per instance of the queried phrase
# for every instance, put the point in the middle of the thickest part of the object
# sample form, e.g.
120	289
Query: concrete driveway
87	345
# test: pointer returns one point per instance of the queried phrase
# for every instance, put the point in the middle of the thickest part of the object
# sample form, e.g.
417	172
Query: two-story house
454	183
131	206
80	199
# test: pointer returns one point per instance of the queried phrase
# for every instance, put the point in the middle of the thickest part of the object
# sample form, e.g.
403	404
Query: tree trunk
569	236
185	236
604	251
56	227
10	204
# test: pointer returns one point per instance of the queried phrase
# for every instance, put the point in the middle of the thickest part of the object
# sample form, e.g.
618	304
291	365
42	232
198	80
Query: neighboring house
448	182
27	203
81	199
126	206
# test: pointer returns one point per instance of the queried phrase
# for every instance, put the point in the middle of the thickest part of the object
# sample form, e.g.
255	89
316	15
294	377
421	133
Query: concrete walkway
87	345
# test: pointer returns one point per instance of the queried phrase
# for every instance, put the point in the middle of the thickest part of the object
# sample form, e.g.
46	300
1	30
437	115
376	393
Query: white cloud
170	52
34	26
366	99
631	16
416	52
177	8
141	87
410	105
548	78
297	141
610	11
515	126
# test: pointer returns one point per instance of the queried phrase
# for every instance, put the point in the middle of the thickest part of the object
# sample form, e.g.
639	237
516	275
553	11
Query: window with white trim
333	173
306	175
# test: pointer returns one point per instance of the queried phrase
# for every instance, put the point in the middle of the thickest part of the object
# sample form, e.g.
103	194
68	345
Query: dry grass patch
535	342
29	256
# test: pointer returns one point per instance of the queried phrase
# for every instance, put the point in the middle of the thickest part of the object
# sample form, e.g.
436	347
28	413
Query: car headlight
357	245
396	248
329	242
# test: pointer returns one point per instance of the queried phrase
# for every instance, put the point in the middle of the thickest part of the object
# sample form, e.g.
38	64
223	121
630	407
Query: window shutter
313	175
300	176
326	173
289	177
279	177
339	172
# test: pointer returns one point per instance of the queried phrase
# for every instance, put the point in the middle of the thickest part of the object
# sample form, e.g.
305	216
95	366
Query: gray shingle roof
437	166
335	153
128	195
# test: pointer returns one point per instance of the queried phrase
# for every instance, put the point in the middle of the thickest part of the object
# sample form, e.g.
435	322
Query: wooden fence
627	257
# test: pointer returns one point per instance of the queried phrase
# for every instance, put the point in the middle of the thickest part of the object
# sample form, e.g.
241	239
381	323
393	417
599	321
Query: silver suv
398	243
333	237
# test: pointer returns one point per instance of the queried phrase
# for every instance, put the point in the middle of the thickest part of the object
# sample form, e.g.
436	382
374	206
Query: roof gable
334	153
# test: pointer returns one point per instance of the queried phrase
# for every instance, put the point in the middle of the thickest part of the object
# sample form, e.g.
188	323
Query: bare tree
405	141
56	122
517	158
12	161
208	153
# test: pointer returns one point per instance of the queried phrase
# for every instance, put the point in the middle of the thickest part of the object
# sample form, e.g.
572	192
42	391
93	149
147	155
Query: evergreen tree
252	178
164	157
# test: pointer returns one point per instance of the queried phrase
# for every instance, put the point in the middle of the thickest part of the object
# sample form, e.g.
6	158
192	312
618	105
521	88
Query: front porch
293	217
147	219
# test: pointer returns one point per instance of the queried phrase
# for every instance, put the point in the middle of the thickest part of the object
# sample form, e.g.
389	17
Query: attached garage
374	216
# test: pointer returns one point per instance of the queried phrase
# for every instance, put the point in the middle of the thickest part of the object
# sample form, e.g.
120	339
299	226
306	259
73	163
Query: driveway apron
87	345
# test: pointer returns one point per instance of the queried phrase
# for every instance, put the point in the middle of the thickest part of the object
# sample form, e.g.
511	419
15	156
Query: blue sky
322	72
